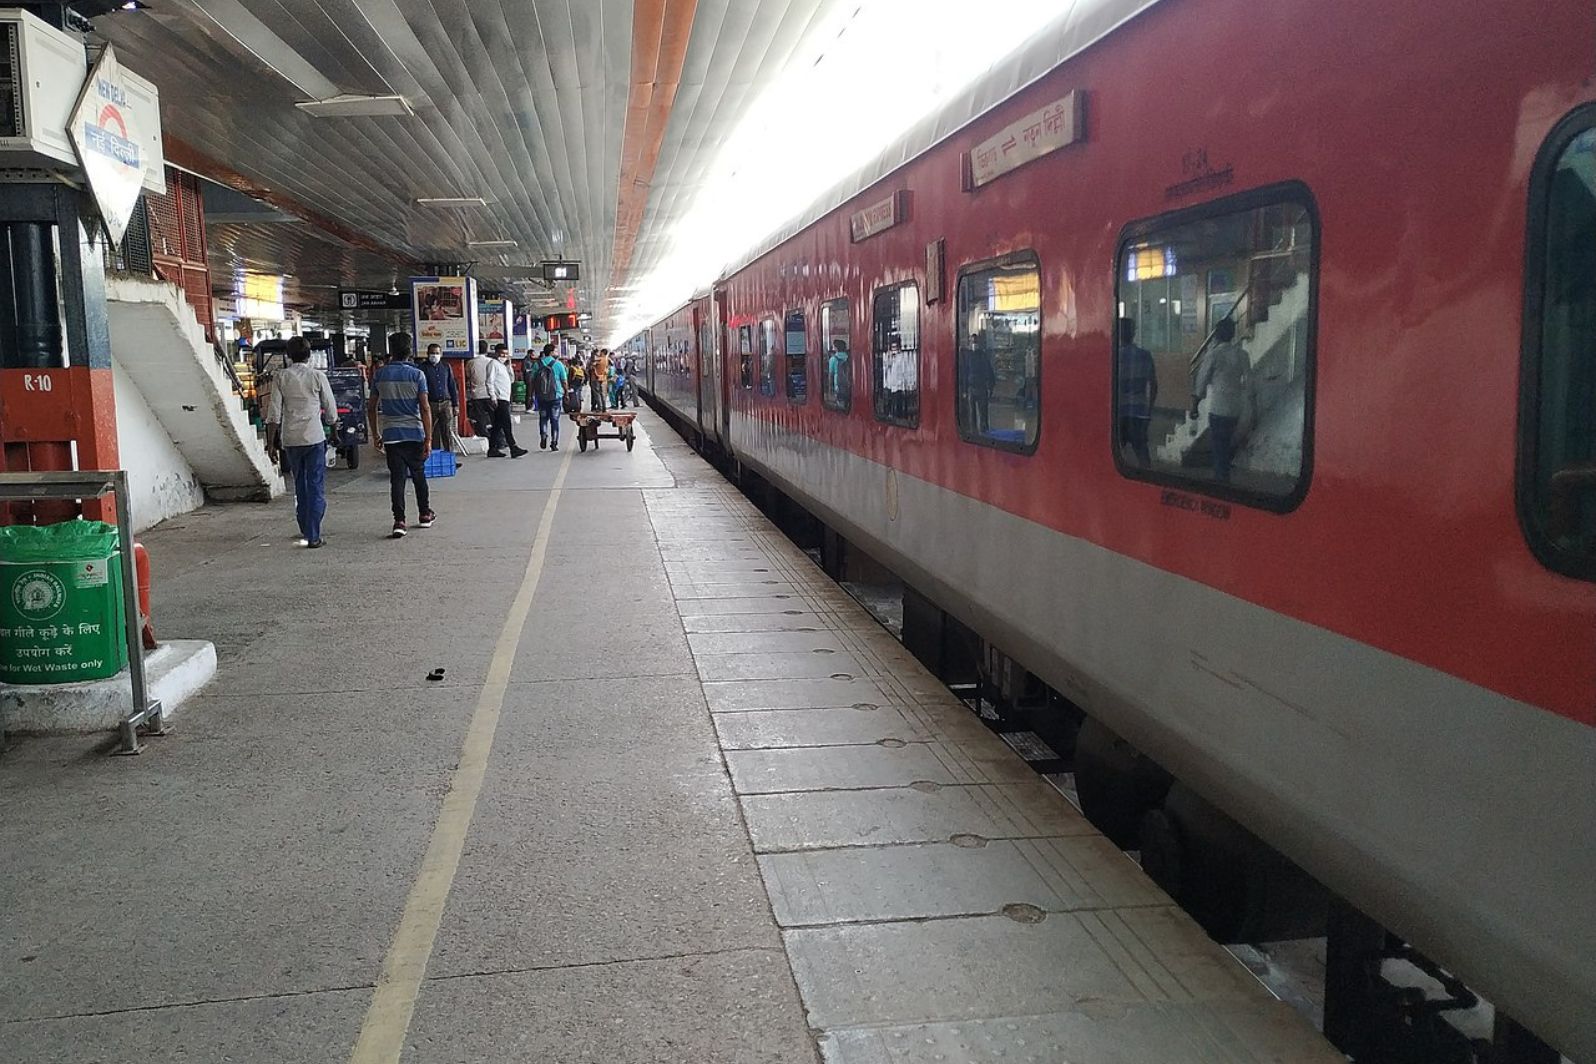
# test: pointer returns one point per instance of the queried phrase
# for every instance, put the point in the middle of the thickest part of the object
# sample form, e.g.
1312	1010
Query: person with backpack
547	394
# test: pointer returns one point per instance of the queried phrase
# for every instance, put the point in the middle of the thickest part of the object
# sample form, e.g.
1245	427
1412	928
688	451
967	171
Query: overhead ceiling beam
661	30
185	156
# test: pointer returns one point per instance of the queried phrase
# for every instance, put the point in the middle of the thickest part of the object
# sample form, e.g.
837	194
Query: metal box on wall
42	75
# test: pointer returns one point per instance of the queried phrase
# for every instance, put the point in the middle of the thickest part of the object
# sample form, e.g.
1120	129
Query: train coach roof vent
350	105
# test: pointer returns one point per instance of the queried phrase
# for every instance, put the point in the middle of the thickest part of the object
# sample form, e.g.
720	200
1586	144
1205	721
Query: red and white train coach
1349	599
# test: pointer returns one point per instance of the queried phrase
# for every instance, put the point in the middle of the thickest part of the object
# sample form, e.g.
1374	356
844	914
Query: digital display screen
562	271
558	322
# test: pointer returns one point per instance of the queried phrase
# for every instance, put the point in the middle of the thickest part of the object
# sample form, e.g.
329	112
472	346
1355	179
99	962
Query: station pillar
57	402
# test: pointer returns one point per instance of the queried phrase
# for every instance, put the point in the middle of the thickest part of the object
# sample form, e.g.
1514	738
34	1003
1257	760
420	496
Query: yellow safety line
382	1036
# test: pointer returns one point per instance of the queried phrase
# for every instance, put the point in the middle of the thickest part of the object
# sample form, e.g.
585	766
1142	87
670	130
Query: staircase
159	344
1275	349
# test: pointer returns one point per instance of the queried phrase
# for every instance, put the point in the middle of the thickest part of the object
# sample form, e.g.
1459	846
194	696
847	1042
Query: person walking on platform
443	396
547	392
598	378
500	387
298	411
401	426
1225	377
576	376
479	408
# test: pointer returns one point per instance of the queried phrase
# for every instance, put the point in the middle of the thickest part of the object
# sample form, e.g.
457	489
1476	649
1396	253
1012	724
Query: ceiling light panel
351	105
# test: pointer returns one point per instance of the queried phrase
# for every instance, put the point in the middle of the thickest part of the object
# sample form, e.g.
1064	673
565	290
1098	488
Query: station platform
672	796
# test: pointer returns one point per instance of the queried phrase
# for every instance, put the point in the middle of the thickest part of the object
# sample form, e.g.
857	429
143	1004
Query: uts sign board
1042	132
108	133
366	299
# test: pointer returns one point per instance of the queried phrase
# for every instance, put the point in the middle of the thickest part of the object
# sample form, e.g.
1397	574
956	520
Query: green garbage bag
62	618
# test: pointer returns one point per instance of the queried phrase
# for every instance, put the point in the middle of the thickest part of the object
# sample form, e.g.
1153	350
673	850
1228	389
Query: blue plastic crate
440	464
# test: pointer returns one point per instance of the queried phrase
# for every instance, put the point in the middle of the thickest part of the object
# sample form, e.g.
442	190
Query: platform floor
675	798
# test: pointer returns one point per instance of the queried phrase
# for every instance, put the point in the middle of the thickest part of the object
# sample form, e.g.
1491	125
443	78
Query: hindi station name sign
1042	132
109	132
879	216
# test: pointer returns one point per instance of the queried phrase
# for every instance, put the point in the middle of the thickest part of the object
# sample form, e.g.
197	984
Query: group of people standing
412	412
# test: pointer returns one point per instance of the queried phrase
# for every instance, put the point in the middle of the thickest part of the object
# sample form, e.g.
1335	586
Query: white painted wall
162	483
165	356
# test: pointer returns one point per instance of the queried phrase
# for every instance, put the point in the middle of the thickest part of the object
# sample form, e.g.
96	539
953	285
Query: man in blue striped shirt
401	425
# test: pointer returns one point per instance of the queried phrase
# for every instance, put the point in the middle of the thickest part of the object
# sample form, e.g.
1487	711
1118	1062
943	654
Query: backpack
573	401
543	384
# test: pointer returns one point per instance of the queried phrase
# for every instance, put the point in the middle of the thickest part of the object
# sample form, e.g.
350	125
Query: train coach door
704	386
721	344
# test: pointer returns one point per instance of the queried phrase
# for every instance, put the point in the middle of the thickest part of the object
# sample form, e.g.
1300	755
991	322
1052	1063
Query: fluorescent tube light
350	105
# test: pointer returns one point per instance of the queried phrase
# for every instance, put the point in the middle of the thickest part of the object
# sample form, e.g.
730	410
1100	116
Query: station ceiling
581	124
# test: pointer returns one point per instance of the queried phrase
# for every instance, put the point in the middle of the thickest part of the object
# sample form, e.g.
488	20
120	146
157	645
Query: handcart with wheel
588	422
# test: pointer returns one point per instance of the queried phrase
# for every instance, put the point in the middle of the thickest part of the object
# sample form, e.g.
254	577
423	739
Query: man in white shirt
298	411
1226	378
500	384
479	407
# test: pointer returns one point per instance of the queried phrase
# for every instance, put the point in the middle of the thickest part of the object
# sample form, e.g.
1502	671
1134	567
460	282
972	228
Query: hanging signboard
372	299
1042	132
444	312
112	127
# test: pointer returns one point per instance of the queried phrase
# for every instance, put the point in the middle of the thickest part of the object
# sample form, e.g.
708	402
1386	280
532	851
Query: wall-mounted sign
1042	132
879	216
108	131
444	313
363	299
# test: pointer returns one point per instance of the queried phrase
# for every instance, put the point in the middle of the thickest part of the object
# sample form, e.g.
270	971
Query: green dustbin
61	614
518	392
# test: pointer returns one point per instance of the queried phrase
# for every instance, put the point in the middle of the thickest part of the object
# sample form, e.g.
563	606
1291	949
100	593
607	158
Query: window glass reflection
1212	356
1562	485
797	348
836	336
999	353
895	344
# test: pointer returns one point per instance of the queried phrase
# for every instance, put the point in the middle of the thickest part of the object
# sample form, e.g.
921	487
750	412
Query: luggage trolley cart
588	422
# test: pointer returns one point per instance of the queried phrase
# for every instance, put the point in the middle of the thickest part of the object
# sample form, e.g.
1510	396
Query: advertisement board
443	311
495	318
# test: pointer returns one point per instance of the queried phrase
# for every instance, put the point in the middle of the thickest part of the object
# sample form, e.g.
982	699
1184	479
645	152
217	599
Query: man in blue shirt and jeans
548	392
401	425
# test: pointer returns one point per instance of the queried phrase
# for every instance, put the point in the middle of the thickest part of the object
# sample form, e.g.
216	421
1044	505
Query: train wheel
631	438
1116	783
1232	883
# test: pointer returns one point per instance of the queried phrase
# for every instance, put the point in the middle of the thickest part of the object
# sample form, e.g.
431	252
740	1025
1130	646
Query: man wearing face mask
443	395
499	386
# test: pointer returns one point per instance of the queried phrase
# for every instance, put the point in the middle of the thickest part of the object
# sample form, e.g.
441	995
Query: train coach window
767	341
1557	474
998	358
745	355
797	348
836	390
895	343
1213	347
